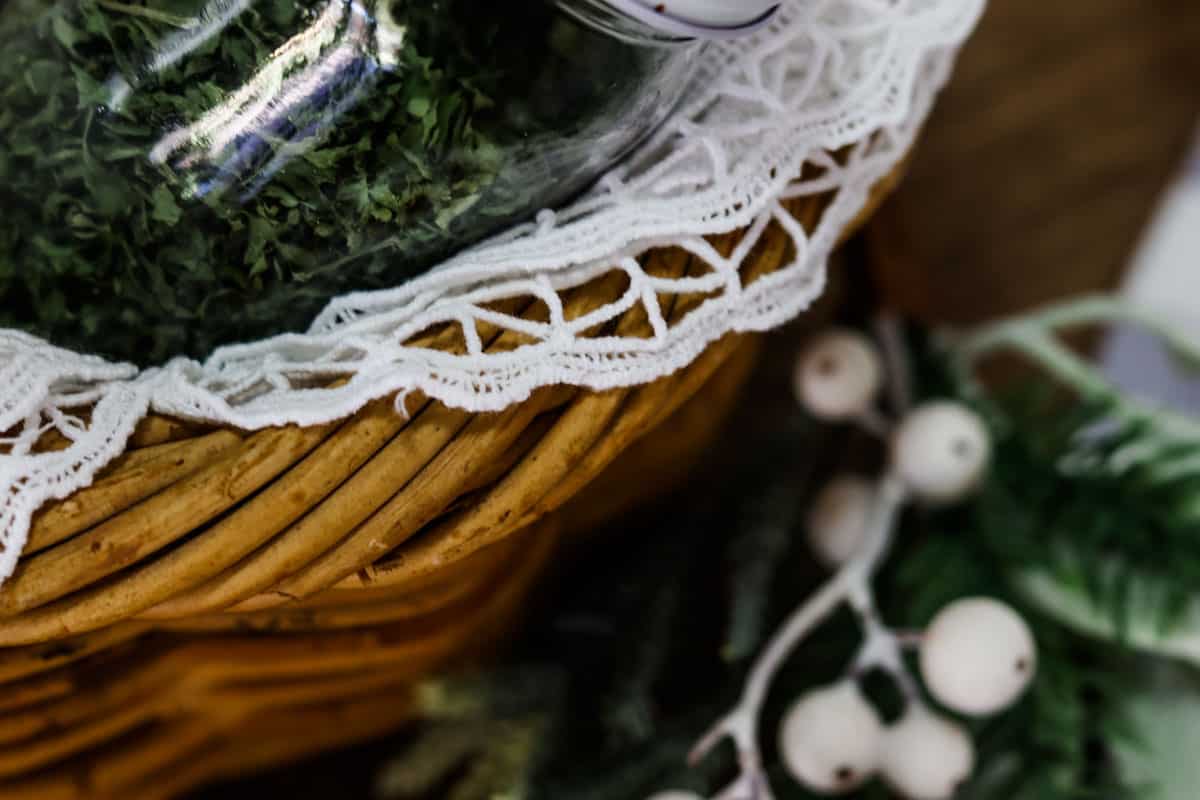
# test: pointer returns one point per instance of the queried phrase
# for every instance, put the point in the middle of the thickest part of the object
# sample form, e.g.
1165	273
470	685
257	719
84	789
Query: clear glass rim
607	18
665	26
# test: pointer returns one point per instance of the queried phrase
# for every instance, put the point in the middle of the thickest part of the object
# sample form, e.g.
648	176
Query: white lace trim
856	76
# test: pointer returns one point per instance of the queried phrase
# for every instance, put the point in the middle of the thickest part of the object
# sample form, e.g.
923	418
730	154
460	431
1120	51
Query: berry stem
852	584
884	649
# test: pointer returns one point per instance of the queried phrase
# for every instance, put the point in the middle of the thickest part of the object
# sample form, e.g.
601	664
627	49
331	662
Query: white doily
854	76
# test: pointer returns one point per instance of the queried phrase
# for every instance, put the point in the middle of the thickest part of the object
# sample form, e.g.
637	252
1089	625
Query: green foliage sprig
1098	489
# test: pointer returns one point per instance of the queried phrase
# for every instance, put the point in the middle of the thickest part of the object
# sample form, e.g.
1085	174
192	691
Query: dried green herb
394	133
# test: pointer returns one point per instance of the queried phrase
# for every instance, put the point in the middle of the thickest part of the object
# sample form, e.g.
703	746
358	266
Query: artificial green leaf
1144	627
1165	710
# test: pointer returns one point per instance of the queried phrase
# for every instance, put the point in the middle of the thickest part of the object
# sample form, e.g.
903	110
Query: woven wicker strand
220	601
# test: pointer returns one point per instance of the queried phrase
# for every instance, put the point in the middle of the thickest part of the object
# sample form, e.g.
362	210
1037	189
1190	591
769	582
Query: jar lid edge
701	18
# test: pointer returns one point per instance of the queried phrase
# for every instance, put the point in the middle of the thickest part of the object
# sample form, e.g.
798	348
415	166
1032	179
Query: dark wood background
1045	156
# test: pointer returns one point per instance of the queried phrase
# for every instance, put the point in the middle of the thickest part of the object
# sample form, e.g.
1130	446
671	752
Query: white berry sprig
977	657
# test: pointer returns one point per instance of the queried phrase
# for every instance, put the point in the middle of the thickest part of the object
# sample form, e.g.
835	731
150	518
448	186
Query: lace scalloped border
851	77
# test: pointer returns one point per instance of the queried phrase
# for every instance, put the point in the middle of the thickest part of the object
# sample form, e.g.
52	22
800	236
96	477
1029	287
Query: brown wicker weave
220	601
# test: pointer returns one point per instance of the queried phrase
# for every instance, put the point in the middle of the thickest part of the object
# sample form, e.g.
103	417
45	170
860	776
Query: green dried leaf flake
419	106
262	231
90	93
165	208
65	32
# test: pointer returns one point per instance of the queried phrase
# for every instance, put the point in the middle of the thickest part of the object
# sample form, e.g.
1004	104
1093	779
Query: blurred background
1045	157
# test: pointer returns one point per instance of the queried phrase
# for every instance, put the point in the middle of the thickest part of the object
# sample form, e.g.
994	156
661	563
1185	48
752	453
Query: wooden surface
1045	156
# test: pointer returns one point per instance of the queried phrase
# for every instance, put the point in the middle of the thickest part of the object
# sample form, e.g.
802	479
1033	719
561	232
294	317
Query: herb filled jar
180	174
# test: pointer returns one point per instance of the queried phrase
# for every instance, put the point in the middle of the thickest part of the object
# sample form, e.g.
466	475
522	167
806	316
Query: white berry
829	739
675	794
838	375
941	451
837	521
926	757
977	656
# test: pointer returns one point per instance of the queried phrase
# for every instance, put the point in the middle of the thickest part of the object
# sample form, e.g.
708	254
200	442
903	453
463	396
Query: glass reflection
287	107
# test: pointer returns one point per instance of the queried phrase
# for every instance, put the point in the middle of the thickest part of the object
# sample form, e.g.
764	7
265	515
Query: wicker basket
219	601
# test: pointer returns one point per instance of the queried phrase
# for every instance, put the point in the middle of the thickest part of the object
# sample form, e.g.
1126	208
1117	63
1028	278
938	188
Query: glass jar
180	174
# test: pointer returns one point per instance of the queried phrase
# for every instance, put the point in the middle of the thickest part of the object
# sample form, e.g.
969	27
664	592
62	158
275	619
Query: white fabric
825	75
